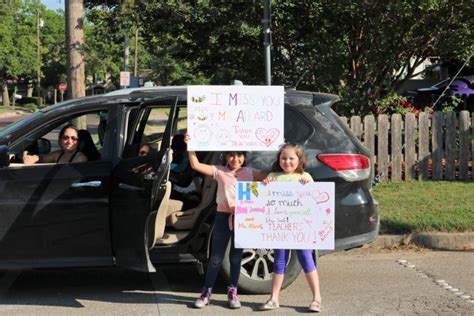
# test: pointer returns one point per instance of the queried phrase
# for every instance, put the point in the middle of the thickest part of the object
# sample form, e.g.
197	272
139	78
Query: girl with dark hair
226	177
68	141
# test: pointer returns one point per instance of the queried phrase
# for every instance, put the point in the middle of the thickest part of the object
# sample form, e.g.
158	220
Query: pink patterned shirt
226	180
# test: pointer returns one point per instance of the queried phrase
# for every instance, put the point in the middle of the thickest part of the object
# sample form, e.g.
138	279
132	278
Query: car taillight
351	167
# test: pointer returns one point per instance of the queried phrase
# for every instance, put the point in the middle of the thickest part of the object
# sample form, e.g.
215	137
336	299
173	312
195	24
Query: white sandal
315	306
269	305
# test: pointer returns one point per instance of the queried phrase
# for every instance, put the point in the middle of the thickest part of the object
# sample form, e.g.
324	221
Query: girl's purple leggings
305	258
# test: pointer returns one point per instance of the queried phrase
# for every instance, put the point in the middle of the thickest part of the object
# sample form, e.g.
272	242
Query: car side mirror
44	146
38	146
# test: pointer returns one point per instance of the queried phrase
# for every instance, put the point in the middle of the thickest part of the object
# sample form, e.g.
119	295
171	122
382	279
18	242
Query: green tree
53	48
103	47
19	62
379	44
361	50
18	56
213	41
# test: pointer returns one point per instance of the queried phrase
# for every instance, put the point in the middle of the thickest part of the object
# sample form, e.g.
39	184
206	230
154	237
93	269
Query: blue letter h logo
244	192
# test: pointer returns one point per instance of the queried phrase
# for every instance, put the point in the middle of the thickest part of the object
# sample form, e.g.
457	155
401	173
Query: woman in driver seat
69	152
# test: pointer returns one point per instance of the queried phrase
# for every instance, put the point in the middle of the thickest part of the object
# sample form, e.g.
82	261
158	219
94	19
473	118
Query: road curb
440	241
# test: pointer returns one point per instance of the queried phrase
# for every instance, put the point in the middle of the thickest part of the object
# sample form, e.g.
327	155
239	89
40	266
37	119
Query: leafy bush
396	104
31	107
451	102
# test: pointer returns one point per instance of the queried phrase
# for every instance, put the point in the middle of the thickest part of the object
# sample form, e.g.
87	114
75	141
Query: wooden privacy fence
426	146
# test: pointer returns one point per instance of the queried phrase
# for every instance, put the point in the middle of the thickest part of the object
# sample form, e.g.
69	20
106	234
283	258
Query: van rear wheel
257	268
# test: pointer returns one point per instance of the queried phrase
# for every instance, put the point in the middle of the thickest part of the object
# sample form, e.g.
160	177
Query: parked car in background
461	87
121	209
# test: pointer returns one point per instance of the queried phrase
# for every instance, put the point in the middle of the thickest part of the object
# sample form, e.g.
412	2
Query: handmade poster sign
224	118
284	215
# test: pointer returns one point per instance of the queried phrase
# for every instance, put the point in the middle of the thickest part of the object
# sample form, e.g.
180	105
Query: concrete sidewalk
440	241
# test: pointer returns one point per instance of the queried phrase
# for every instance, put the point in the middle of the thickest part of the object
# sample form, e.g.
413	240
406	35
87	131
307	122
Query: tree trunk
75	51
29	89
14	97
5	97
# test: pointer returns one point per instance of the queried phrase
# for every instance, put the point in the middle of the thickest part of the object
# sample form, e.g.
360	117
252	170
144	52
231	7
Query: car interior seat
86	145
183	219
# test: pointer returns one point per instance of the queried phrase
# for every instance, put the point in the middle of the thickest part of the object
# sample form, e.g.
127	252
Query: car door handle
130	187
91	184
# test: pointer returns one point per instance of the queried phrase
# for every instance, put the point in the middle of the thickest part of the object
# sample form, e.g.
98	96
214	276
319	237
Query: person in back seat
180	157
144	150
186	184
181	173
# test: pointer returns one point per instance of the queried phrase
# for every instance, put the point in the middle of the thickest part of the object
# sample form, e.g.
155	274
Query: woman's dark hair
299	150
244	153
87	146
178	144
179	147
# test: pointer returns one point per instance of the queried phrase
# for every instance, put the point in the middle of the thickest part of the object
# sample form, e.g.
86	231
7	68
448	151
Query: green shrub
31	107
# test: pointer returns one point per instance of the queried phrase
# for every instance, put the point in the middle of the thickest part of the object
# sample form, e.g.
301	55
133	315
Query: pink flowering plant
395	103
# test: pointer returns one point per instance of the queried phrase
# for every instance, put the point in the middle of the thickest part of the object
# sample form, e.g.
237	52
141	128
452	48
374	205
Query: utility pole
38	55
135	68
267	40
125	74
126	54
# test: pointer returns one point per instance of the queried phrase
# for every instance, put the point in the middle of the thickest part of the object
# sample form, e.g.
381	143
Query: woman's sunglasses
72	138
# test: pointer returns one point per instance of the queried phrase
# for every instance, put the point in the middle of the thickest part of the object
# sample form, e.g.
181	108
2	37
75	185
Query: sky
53	4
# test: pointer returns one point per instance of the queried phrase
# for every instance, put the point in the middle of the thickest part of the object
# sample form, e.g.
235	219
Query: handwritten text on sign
235	117
284	215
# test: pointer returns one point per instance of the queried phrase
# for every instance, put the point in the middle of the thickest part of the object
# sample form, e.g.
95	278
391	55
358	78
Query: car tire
257	268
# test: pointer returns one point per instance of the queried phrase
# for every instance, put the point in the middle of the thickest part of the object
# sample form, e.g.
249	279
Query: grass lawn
10	110
425	206
4	110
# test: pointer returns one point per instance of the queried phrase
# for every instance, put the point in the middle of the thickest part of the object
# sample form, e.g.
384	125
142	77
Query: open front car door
138	186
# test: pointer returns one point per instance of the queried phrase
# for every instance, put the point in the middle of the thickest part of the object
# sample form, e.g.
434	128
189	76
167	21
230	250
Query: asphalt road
360	282
5	120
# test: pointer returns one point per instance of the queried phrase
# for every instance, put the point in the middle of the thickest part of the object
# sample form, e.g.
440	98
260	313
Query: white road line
439	282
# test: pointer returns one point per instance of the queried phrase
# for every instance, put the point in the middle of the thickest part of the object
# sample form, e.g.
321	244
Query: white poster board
284	215
227	118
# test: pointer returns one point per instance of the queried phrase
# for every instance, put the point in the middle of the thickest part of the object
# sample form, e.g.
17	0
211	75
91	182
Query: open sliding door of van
138	187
